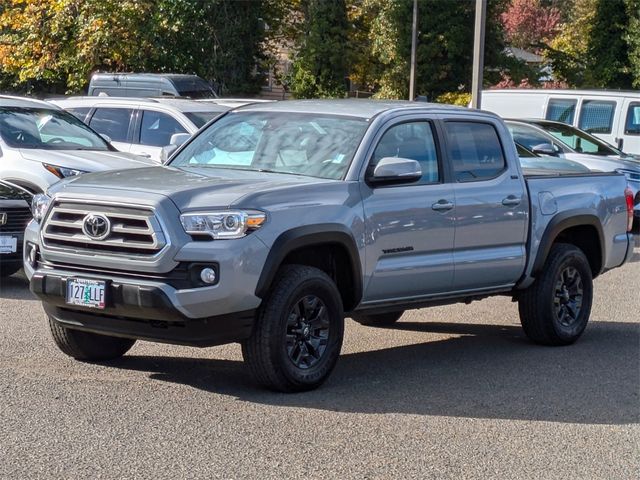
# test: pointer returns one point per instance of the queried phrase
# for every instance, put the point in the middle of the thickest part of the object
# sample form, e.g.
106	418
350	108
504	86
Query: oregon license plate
8	244
86	293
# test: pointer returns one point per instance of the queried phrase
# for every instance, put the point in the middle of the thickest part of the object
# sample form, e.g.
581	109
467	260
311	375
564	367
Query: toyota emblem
96	226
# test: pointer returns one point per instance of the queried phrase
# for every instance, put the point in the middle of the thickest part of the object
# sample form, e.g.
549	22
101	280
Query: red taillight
628	195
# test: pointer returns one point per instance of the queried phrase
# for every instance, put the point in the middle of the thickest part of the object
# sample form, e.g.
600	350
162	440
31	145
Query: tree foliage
321	62
528	23
445	45
56	44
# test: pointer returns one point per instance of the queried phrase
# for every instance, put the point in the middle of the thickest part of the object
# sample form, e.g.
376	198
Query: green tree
54	45
608	49
445	45
321	62
633	39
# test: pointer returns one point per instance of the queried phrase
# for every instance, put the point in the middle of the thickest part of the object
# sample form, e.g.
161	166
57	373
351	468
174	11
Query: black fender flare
308	236
563	221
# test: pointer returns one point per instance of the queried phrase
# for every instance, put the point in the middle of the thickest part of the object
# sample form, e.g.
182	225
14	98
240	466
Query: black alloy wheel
308	329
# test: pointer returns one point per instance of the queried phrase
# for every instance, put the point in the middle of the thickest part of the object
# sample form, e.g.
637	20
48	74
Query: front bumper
139	311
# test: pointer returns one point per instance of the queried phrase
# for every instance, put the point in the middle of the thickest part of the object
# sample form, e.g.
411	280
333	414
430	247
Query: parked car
41	144
557	139
142	125
534	163
613	116
357	208
149	85
15	214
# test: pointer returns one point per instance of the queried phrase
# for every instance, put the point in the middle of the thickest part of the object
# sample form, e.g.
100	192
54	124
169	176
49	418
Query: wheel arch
329	247
579	228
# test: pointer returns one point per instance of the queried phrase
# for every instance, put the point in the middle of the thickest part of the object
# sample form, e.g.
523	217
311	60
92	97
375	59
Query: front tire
88	346
556	308
298	334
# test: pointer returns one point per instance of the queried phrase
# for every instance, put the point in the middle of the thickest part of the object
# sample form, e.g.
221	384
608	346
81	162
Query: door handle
144	154
442	206
511	201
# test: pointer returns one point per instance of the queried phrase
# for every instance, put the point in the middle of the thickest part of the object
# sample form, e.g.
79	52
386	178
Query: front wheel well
335	261
587	239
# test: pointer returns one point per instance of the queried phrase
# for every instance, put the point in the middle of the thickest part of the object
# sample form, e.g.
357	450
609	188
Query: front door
409	228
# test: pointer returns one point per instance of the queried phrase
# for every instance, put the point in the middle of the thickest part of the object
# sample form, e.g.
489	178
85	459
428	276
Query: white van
614	116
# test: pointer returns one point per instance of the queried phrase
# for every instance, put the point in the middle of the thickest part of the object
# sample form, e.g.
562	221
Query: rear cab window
475	151
561	110
596	116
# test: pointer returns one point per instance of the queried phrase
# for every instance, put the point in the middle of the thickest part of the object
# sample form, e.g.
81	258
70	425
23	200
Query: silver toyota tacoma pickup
278	220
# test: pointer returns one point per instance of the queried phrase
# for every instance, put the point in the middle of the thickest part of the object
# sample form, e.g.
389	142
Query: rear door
491	211
410	227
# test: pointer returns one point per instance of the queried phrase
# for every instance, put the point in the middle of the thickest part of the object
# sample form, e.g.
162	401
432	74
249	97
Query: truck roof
348	107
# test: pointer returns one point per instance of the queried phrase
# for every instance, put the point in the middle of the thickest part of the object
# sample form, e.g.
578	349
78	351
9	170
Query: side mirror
620	143
395	170
166	152
178	139
106	138
545	149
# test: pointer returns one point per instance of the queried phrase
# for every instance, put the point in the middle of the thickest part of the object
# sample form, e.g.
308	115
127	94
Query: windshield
200	118
41	128
295	143
193	87
578	140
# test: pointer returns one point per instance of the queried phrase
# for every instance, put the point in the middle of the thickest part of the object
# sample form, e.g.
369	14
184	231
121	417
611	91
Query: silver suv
41	144
142	125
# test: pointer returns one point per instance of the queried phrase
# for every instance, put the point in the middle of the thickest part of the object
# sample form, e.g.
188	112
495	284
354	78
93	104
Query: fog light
208	275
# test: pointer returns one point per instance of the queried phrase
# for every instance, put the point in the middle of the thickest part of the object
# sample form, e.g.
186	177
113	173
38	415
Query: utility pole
478	53
414	46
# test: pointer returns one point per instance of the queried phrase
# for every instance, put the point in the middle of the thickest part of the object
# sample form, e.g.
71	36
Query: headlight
222	225
63	172
631	175
39	206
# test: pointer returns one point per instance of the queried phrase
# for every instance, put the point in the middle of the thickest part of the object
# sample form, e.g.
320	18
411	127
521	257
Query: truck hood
87	160
189	189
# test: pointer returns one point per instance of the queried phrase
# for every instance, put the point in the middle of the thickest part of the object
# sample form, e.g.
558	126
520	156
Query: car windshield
47	129
200	118
283	142
578	140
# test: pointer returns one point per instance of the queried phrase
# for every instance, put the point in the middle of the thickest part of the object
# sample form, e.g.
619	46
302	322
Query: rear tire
556	308
378	319
298	333
88	346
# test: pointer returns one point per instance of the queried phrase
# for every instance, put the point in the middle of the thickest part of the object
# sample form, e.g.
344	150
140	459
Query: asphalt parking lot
450	392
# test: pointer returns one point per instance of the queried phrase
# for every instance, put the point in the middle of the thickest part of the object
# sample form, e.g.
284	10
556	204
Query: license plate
86	293
8	244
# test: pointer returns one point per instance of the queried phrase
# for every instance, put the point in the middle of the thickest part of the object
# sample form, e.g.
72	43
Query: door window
596	116
79	112
157	128
412	140
113	122
475	151
561	110
632	125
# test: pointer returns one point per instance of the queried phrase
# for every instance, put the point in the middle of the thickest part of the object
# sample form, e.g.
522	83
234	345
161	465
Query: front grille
16	219
134	231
